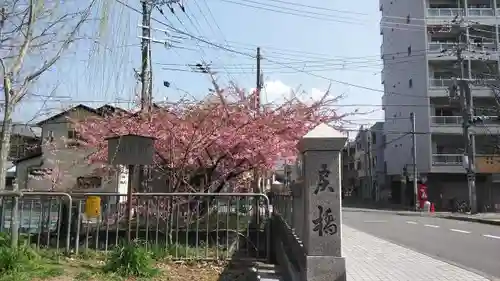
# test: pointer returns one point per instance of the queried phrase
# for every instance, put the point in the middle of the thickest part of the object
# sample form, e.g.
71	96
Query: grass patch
25	264
135	261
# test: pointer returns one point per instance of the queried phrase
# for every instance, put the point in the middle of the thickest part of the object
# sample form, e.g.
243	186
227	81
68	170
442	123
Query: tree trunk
5	145
4	153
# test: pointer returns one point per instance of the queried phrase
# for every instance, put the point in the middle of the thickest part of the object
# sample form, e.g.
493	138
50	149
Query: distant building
369	164
60	164
24	142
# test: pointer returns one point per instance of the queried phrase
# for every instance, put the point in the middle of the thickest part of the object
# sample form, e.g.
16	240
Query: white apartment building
418	67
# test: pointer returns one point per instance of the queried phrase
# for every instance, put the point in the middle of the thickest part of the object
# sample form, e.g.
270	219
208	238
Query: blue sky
343	45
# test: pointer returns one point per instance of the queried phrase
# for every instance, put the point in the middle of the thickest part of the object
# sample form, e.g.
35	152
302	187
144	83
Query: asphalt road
470	245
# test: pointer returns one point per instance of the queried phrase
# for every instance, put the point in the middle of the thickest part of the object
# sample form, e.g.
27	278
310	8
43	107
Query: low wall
288	250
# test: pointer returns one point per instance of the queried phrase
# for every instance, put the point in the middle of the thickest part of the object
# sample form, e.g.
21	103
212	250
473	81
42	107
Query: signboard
130	150
93	207
489	164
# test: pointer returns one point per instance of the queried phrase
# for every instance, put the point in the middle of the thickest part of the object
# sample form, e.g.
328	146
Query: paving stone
369	258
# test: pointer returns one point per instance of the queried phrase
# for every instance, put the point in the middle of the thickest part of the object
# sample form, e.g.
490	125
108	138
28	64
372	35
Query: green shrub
130	260
12	260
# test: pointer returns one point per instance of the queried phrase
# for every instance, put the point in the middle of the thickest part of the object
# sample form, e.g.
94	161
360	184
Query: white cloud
277	92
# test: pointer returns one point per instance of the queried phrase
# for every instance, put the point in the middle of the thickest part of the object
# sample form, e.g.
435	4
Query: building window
410	83
374	138
89	182
73	139
50	136
72	134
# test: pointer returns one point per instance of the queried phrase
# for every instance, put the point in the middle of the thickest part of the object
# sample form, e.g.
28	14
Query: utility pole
369	162
146	91
414	160
258	78
256	175
465	97
467	113
256	101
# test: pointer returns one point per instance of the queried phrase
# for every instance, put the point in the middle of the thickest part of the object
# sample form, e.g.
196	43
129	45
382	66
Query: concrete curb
478	220
421	214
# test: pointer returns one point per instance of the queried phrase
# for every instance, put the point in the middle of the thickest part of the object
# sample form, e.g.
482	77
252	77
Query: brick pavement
370	258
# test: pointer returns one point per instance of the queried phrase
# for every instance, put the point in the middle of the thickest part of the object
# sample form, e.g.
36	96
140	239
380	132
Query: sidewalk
486	218
370	258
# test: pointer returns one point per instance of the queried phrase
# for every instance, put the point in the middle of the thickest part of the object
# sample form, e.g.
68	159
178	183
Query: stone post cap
322	137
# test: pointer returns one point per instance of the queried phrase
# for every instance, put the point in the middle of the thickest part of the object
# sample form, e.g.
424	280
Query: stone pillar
321	154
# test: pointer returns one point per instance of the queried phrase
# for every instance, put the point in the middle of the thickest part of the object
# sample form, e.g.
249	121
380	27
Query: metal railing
457	120
444	12
441	47
207	226
481	12
440	82
446	120
485	46
447	159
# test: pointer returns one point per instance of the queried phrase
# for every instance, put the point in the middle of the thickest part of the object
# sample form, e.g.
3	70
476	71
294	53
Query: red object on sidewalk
432	208
422	194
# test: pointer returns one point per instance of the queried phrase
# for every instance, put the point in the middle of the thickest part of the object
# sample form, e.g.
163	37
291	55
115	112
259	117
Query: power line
272	61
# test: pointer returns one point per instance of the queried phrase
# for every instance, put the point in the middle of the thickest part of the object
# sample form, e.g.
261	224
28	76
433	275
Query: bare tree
34	34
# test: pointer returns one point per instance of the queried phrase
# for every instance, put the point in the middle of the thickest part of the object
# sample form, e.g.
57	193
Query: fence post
321	163
14	217
297	208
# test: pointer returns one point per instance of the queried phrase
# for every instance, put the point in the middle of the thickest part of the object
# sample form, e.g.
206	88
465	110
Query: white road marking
375	221
461	231
411	222
491	236
431	225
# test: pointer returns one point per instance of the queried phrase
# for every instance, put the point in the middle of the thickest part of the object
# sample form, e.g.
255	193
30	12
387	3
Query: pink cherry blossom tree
204	145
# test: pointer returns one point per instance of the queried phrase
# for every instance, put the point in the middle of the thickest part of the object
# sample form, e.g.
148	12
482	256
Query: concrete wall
402	65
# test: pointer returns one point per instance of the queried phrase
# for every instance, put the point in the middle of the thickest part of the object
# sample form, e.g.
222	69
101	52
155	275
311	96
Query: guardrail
208	226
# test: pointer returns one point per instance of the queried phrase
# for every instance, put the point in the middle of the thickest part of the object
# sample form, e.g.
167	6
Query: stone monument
322	225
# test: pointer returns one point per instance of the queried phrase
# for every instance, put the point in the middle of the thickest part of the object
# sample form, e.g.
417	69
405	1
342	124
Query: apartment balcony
438	16
481	12
454	163
484	15
444	12
441	50
453	125
446	50
438	87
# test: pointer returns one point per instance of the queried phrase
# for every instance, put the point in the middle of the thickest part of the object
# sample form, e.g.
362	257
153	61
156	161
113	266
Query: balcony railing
440	47
440	82
481	12
457	120
444	12
487	46
447	82
447	159
446	120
